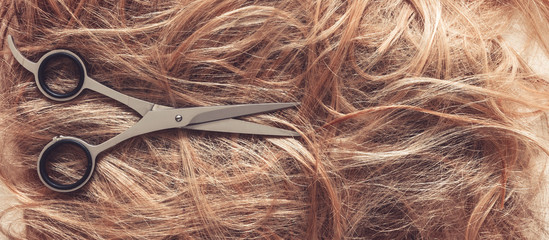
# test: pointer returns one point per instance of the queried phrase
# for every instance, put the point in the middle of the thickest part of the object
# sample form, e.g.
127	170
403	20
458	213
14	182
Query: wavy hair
417	119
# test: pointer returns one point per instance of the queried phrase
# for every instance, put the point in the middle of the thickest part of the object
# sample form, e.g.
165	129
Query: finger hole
61	75
65	165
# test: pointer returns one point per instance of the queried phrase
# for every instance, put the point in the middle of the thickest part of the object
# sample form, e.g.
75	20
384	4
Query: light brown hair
417	119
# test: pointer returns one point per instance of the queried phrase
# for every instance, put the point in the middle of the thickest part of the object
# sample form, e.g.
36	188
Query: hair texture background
417	119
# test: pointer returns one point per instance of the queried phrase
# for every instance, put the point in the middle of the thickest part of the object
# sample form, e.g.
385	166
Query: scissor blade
238	126
208	114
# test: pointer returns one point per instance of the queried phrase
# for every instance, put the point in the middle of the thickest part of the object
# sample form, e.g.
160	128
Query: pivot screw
178	118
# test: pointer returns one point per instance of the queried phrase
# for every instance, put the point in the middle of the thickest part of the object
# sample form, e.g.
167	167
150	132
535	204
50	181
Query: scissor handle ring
52	184
42	80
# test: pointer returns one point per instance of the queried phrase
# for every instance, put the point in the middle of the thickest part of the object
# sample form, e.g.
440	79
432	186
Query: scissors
155	117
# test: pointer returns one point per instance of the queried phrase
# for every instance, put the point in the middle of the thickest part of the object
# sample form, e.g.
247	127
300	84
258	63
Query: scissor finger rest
38	69
45	158
84	81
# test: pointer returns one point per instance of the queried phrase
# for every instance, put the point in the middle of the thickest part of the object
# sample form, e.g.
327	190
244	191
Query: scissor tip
295	134
288	133
289	104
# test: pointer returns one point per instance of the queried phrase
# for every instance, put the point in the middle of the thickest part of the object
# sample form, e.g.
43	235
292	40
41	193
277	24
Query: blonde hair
417	119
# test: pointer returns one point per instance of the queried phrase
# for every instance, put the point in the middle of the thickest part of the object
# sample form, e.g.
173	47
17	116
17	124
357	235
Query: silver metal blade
239	126
214	113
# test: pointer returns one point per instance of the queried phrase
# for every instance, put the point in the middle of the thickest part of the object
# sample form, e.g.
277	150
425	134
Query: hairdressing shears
155	117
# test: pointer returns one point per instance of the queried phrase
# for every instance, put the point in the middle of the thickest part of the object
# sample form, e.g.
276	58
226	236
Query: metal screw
178	118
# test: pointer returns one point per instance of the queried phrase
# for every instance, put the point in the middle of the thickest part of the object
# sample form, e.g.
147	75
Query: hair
417	119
